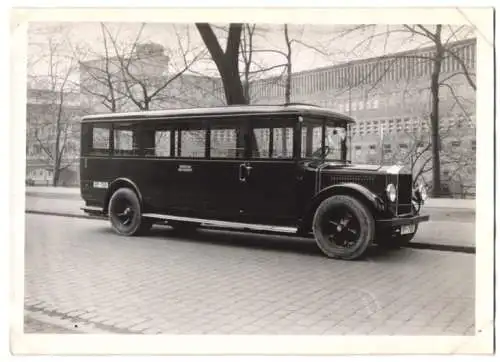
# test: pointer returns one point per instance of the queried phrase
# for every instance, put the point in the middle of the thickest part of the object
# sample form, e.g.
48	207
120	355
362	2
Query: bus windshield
330	146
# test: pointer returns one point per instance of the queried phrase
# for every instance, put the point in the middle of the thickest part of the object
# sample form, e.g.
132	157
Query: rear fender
119	183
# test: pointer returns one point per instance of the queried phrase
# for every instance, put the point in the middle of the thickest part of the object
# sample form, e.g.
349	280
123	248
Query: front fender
371	200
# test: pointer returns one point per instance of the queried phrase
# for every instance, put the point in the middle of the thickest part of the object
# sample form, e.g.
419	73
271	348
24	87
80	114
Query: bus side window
86	139
156	141
125	140
162	143
100	140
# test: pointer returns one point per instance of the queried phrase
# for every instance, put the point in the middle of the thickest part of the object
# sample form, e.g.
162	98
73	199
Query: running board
93	209
225	224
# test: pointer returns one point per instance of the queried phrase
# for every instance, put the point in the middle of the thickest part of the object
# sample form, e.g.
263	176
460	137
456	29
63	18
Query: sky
313	45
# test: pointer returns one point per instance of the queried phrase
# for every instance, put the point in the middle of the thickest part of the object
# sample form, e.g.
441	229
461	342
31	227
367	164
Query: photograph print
254	179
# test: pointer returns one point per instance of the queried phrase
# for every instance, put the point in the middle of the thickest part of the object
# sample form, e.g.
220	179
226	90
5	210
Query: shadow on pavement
258	241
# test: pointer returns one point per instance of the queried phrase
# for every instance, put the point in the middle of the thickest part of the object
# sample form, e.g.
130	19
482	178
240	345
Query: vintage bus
279	168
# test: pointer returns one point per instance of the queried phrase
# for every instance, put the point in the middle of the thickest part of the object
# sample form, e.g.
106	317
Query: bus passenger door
269	175
223	190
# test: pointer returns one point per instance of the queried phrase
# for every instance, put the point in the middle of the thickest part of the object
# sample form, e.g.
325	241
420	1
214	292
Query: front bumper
404	220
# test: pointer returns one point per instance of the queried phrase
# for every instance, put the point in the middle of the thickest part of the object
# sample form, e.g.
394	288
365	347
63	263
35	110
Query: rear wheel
343	227
125	213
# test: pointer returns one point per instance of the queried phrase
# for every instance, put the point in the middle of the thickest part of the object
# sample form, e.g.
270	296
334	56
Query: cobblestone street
220	282
32	325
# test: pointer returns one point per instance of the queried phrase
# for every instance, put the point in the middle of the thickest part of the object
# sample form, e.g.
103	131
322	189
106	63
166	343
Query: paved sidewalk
74	193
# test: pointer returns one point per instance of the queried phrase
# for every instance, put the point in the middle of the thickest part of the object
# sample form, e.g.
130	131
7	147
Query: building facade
43	110
147	80
389	97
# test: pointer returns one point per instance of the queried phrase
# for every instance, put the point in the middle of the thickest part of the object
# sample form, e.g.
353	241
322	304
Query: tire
125	213
356	223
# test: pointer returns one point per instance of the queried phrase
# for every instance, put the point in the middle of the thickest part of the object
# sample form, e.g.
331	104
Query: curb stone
413	245
64	214
53	195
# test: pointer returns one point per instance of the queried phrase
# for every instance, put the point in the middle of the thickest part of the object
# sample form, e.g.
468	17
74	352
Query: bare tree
139	86
443	47
247	44
51	122
128	73
415	151
101	78
288	79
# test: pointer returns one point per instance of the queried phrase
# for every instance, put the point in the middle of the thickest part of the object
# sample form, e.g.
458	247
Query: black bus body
282	168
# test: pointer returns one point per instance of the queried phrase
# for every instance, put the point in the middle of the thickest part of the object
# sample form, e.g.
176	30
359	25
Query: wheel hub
342	230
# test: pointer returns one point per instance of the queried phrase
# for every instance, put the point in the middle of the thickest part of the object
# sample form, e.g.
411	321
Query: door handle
242	171
248	169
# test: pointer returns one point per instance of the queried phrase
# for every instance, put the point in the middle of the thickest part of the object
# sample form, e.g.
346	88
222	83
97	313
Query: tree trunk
55	177
228	66
288	79
227	62
57	153
56	167
435	139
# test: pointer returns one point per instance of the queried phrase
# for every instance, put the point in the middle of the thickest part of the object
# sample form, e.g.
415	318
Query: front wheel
343	227
125	213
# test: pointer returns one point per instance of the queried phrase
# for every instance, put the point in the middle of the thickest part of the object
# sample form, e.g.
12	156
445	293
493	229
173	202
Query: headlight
391	192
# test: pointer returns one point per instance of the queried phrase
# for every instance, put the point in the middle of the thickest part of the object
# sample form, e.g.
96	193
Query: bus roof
292	108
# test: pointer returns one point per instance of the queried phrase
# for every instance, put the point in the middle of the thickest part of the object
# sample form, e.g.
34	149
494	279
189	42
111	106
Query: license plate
407	229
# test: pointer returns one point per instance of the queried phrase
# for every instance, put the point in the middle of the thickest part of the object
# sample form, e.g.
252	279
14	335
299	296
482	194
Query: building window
473	143
455	143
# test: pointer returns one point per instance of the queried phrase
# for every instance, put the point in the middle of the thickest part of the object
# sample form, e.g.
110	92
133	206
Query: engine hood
364	168
395	169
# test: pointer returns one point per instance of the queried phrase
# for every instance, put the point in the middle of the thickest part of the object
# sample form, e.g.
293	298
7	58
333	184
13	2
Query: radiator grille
404	194
367	181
